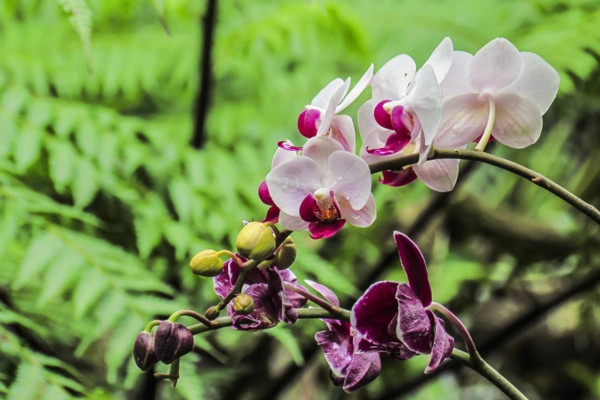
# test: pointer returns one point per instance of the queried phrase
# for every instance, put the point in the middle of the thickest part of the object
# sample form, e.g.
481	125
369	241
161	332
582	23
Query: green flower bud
212	313
287	254
243	304
256	240
206	263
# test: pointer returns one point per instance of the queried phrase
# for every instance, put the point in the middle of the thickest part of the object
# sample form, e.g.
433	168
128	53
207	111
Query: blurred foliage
102	200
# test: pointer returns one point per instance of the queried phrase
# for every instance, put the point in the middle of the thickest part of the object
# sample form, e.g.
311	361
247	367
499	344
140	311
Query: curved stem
398	163
484	369
189	313
332	308
489	127
469	343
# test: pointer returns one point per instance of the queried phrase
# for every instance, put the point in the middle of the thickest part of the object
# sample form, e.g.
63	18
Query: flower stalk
489	127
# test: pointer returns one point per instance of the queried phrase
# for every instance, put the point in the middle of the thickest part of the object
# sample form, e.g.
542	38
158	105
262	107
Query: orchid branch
397	164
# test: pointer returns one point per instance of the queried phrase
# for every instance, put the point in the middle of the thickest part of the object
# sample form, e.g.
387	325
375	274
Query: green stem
151	325
436	154
464	332
332	308
489	127
484	369
189	313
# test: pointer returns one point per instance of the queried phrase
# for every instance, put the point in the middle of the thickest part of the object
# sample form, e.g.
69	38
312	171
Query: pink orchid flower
499	87
320	116
322	188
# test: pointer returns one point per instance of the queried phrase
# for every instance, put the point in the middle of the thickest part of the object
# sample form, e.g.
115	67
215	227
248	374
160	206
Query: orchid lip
287	145
308	121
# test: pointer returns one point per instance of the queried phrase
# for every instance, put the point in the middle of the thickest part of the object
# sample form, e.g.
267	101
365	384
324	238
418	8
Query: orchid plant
419	123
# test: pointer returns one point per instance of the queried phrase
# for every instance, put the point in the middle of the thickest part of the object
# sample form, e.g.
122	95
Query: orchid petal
395	179
263	194
382	117
291	181
319	149
495	66
309	208
440	175
337	348
284	306
425	100
323	98
442	345
342	131
538	83
414	265
518	121
456	83
325	229
350	178
288	146
370	130
464	118
330	110
413	327
361	218
272	215
264	315
324	291
357	89
284	154
441	59
292	223
307	122
225	281
374	311
392	80
363	369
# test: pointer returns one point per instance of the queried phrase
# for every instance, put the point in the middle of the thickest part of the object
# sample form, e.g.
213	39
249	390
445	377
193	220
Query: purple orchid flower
394	317
350	369
272	302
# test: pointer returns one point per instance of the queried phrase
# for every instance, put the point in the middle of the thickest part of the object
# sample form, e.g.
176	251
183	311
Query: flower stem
484	369
397	164
489	127
469	343
332	308
151	325
190	313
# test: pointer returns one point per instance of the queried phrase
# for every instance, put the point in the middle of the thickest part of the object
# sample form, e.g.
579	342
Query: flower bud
143	351
172	341
256	240
212	313
243	304
206	263
287	254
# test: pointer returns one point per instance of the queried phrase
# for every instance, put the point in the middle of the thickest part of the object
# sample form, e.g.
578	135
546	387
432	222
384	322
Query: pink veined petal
456	83
442	345
327	116
464	118
337	349
539	82
292	223
374	311
396	179
291	181
361	218
323	98
392	80
394	143
495	66
350	178
319	149
441	59
325	229
414	265
342	131
356	90
413	327
518	121
425	100
309	208
363	369
323	291
440	175
282	154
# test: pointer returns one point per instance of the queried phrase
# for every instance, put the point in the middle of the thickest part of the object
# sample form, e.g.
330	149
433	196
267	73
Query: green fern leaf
85	185
41	251
81	19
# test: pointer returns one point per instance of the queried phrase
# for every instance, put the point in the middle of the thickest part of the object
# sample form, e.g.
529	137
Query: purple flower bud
143	351
172	341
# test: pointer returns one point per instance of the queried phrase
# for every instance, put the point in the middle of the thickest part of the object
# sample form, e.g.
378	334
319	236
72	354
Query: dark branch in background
202	102
505	334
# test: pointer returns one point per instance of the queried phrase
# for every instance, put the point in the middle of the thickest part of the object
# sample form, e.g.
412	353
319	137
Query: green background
103	201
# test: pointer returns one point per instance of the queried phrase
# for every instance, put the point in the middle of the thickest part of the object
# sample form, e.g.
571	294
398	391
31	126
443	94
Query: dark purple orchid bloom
394	317
272	302
349	369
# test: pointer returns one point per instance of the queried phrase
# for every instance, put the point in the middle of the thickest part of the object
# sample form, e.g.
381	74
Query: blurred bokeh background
103	199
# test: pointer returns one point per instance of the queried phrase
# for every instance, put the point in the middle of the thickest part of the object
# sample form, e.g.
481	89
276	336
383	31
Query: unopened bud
172	341
206	263
243	304
256	240
212	313
286	255
143	351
